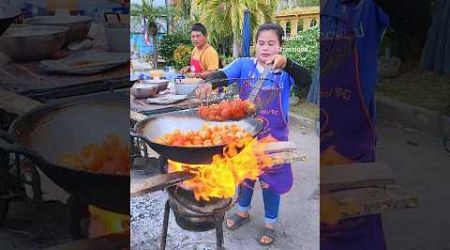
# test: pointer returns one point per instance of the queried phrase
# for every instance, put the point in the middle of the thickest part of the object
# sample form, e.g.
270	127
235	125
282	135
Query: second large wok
151	128
47	132
7	16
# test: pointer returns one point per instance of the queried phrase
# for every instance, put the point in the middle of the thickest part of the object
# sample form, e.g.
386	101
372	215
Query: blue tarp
246	34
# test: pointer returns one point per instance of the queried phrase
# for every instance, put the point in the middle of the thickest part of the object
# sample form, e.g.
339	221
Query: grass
424	89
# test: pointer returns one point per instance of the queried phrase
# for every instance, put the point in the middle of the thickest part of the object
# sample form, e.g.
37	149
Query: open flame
104	222
242	160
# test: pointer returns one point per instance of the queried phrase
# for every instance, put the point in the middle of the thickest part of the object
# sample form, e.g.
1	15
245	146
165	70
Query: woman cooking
283	74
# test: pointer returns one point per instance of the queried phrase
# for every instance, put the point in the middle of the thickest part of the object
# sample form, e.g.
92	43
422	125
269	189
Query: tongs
228	93
252	96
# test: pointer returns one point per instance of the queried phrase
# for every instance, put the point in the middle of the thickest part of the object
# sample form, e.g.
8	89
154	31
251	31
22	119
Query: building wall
297	19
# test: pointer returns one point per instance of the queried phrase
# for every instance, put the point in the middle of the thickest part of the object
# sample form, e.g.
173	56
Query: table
25	79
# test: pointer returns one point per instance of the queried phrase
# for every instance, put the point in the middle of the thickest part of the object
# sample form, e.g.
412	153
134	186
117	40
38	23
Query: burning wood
158	182
103	222
358	189
221	178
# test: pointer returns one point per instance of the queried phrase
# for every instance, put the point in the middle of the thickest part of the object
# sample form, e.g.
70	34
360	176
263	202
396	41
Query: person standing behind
204	58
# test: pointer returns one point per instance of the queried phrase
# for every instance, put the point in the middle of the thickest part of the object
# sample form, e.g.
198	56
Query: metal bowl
32	43
185	89
142	90
7	16
78	25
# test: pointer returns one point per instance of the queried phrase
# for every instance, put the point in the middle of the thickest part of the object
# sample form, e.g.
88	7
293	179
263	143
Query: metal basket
242	88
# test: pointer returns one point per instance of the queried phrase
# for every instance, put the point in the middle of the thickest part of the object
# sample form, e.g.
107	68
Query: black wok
151	128
7	16
48	131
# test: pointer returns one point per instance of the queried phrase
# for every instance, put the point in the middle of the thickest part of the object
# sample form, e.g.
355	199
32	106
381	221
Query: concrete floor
298	226
422	166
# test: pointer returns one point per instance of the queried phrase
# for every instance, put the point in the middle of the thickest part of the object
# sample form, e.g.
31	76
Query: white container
117	37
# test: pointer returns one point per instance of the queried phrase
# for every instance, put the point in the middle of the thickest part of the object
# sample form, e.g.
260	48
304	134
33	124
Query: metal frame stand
219	229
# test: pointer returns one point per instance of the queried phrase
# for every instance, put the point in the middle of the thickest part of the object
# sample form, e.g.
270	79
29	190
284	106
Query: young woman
283	75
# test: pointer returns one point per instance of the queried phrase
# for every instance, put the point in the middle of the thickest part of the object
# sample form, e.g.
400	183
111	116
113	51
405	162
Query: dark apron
347	135
279	178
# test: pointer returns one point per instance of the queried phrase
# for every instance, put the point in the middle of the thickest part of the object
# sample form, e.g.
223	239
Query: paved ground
299	213
421	165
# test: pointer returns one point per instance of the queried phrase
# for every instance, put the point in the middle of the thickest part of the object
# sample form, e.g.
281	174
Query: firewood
157	182
366	201
287	157
279	146
355	175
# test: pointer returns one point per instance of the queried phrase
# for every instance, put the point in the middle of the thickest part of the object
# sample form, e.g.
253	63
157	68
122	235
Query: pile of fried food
235	109
208	135
109	157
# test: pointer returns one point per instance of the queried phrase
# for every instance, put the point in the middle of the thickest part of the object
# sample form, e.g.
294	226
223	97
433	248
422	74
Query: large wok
7	16
46	132
153	127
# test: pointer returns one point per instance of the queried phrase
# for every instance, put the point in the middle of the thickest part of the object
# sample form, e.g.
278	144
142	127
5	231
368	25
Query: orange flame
103	222
240	161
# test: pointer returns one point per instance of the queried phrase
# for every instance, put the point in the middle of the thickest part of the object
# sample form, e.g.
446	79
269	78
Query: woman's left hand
279	62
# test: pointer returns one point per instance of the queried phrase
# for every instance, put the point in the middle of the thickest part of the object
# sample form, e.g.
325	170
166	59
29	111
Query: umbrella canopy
246	34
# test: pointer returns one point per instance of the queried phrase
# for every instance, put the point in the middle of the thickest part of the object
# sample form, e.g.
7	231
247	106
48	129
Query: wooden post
306	23
294	27
283	23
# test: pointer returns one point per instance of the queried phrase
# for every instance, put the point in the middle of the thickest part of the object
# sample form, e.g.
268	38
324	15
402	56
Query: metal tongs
230	89
252	96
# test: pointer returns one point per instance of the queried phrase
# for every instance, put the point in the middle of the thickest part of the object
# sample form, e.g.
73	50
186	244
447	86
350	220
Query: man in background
204	58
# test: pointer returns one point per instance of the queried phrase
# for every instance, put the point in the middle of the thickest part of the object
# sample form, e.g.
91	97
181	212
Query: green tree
304	48
183	17
170	43
225	18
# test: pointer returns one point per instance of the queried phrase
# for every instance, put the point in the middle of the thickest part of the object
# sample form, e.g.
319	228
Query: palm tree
183	17
225	18
150	14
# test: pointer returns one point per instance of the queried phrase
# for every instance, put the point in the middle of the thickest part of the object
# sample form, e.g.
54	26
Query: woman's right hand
203	91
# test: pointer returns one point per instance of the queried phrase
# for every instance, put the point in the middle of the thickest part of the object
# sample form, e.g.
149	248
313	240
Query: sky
156	2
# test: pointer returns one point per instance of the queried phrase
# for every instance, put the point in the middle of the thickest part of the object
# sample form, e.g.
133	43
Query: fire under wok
154	127
46	132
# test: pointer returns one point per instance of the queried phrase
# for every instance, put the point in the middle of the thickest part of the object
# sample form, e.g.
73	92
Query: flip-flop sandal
267	232
238	221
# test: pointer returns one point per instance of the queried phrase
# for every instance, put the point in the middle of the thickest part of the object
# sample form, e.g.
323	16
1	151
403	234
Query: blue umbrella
246	34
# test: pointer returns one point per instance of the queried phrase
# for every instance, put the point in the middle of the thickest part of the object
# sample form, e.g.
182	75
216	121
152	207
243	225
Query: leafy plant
182	55
226	60
170	43
303	48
